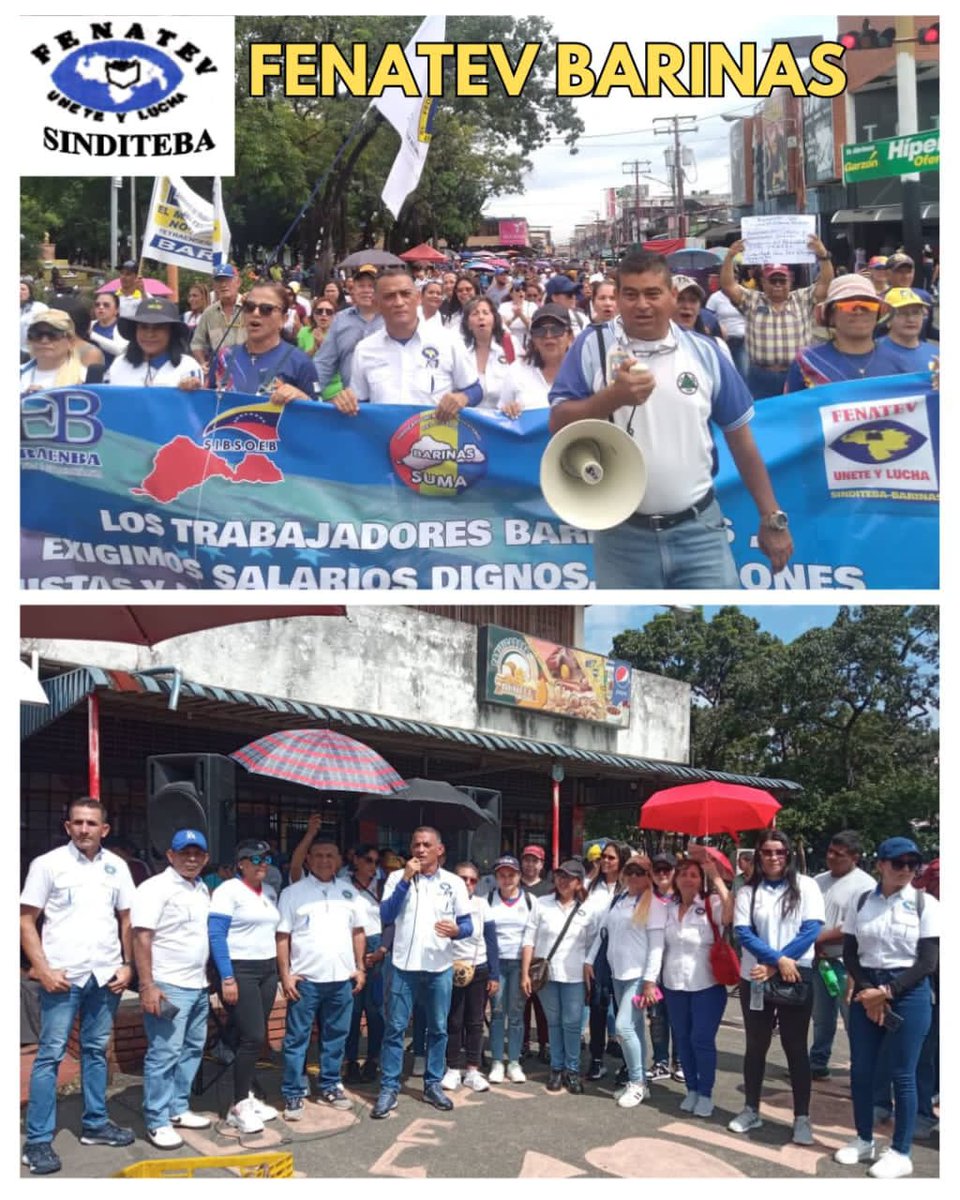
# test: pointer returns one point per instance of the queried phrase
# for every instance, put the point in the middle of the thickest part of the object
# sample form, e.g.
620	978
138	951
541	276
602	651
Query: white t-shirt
492	378
253	919
770	922
510	918
176	910
628	942
320	918
80	899
369	907
730	317
513	324
887	928
524	383
543	928
441	896
474	948
122	373
838	893
420	370
680	950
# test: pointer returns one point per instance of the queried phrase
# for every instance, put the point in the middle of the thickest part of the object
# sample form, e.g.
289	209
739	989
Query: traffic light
868	38
929	35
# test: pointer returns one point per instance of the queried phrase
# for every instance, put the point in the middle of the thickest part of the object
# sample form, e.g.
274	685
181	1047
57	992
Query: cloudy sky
563	190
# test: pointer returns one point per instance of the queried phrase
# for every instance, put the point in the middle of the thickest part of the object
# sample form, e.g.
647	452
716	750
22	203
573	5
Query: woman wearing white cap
891	947
850	311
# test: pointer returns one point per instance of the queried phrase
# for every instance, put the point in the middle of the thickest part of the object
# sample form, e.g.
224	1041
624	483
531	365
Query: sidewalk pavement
519	1130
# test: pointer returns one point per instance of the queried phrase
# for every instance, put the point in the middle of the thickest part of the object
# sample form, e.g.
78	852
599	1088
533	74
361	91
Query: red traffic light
868	38
929	35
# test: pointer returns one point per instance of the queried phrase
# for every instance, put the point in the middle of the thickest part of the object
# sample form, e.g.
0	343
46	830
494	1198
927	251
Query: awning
882	212
222	706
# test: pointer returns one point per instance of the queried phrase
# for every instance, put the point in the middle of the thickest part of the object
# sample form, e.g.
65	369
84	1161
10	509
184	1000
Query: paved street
522	1131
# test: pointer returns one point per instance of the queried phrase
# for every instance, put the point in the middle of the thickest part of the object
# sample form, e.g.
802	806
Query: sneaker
574	1084
496	1072
925	1127
475	1082
243	1116
744	1121
891	1165
165	1138
633	1094
597	1070
555	1082
802	1132
689	1102
660	1071
676	1072
107	1135
386	1103
293	1108
337	1098
515	1072
854	1152
190	1120
703	1107
433	1095
352	1074
41	1158
371	1069
451	1081
266	1112
419	1065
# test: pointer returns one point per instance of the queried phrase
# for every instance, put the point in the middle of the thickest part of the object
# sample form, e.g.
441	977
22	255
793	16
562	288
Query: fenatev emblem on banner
879	450
126	95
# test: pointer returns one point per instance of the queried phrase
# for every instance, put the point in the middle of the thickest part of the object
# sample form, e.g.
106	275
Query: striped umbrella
319	759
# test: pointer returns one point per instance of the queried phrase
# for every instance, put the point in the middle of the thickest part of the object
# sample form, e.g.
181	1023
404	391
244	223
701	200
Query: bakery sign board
527	672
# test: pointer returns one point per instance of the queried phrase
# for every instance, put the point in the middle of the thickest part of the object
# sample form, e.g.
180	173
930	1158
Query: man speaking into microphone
429	908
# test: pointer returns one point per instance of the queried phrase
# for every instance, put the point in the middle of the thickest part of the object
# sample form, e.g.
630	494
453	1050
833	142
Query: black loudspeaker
483	844
192	791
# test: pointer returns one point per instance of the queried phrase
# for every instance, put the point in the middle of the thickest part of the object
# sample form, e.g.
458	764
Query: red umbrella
320	759
723	863
145	624
423	253
709	807
154	287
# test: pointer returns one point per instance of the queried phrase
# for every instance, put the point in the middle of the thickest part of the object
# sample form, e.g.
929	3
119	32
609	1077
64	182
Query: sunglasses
46	334
323	312
470	879
664	870
635	871
548	331
260	859
901	864
853	307
264	310
371	859
774	853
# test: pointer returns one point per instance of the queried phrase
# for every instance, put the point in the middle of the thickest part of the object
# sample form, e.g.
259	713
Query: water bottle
756	995
828	973
616	357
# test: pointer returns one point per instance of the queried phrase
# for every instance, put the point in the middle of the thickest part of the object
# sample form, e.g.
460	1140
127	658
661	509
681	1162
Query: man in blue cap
221	318
171	947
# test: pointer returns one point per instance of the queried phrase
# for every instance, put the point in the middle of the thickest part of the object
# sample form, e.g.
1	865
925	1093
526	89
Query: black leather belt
659	521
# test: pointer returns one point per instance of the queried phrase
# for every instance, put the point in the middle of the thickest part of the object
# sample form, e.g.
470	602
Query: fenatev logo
127	95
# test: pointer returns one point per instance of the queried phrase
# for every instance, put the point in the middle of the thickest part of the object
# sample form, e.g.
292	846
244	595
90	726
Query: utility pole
674	127
634	167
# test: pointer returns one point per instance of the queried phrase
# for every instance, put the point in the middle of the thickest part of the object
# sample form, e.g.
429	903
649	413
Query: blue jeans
695	1018
174	1049
694	554
764	383
58	1011
507	1010
902	1051
738	352
629	1027
332	1005
563	1004
369	1000
825	1009
432	989
928	1068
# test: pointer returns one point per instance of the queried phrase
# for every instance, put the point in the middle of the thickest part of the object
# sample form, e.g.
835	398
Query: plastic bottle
828	974
756	996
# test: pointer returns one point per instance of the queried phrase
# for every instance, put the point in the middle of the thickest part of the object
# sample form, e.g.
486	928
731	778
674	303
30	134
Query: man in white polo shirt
82	963
667	387
320	949
429	908
171	947
406	362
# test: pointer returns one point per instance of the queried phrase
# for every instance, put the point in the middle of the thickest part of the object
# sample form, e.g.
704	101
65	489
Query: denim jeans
563	1004
695	1018
433	990
902	1050
507	1010
928	1068
58	1011
825	1009
695	553
332	1005
369	1000
738	352
174	1050
630	1027
764	383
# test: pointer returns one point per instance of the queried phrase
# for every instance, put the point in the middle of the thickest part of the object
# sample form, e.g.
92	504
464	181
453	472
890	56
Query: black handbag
777	992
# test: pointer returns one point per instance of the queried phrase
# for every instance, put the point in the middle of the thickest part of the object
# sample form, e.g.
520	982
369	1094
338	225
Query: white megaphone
592	474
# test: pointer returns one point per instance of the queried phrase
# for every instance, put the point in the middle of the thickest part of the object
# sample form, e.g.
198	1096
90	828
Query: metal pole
678	168
115	181
908	123
93	742
133	217
555	848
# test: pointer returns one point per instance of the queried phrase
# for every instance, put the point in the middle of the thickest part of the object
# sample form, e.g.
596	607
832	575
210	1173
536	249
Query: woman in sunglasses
891	947
265	365
54	359
527	384
850	311
243	923
778	915
602	894
310	338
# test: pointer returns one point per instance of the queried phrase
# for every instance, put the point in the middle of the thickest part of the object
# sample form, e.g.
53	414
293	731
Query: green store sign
891	157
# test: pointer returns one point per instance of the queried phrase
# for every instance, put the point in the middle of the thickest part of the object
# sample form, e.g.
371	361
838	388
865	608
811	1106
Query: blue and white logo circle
118	76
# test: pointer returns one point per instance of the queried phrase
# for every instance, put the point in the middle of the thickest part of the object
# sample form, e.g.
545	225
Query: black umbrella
424	802
375	258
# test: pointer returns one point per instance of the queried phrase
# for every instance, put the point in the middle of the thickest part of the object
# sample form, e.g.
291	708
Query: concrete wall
393	660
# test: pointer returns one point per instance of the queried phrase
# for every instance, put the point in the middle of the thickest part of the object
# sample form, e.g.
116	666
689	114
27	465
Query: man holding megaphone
663	386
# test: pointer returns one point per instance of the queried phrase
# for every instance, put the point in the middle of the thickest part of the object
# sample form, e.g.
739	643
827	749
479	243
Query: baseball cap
850	287
366	269
571	867
879	262
560	285
899	260
535	851
251	846
129	265
551	312
156	311
897	847
776	269
682	283
53	318
901	297
188	837
506	860
664	856
225	271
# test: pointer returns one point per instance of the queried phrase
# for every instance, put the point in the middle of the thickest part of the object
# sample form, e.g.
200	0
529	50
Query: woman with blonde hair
54	354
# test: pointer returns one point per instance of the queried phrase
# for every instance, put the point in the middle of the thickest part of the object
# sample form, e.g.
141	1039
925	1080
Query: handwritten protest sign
778	239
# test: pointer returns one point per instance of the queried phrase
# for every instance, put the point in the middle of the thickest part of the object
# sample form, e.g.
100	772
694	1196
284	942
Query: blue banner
165	489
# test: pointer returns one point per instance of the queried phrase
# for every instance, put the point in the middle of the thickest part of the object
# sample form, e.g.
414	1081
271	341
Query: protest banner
778	239
159	488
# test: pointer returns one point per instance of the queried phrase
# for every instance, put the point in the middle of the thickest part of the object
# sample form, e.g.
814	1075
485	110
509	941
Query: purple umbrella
320	759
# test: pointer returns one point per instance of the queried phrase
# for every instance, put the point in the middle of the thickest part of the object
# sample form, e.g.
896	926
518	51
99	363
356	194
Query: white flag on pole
183	228
412	118
220	239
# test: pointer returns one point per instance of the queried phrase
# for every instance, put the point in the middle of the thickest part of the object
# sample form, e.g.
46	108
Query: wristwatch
777	521
824	258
